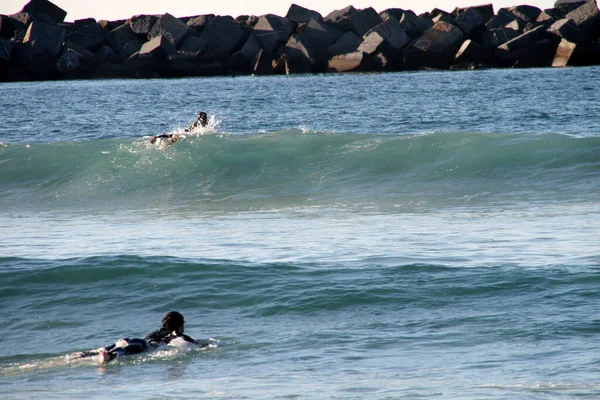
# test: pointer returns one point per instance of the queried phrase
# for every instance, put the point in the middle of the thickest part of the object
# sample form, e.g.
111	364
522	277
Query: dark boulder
566	6
356	61
300	14
7	29
273	32
439	44
500	20
5	50
587	19
345	44
485	10
470	52
193	47
44	38
320	33
387	36
525	12
106	54
160	48
47	8
180	66
566	29
414	25
471	23
223	36
264	63
301	54
441	15
246	21
174	30
351	19
87	34
200	22
497	37
525	40
395	13
250	49
142	24
75	61
550	14
121	37
111	25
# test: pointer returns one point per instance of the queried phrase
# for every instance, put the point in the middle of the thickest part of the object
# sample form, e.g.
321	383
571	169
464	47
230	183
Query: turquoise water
410	235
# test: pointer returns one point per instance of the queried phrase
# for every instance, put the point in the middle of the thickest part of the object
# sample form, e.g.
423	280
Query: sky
123	9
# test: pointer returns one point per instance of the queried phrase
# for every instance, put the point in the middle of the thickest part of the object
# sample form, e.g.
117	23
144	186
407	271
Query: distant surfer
172	328
202	121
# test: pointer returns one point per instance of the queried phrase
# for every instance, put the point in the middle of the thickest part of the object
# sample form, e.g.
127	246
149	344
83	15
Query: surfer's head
173	321
203	118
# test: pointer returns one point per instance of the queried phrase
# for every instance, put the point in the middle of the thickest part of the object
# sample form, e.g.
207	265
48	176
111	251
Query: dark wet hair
173	320
203	118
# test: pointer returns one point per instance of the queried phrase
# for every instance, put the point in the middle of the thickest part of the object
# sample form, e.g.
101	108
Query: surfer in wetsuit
172	328
173	138
201	121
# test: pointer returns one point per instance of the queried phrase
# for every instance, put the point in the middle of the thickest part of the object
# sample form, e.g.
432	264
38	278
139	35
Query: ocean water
359	236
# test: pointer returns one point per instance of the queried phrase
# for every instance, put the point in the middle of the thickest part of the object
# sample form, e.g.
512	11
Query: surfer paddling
172	328
202	121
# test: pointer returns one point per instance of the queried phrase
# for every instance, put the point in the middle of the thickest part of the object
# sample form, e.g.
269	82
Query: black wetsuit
153	340
164	336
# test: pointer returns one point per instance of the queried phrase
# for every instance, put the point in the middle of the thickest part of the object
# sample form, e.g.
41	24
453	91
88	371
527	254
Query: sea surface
352	236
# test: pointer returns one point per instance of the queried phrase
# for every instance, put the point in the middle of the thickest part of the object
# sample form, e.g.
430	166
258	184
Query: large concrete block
44	38
119	37
87	34
525	12
574	54
171	28
321	34
470	52
566	6
250	49
440	43
471	23
73	59
566	29
356	61
387	36
501	19
142	24
200	22
587	19
193	47
395	13
525	40
414	25
299	48
485	10
47	8
7	29
160	48
264	63
300	14
5	50
346	44
223	36
351	19
497	37
273	32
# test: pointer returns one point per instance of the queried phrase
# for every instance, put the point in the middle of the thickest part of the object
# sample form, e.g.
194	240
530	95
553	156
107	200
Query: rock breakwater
37	43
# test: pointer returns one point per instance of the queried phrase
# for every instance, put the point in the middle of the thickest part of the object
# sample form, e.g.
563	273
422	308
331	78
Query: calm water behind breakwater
340	236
